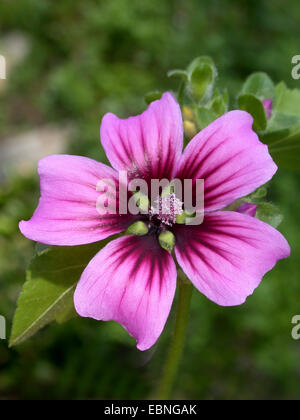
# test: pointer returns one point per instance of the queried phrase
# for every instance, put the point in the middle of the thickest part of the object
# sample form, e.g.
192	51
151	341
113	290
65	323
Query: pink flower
132	280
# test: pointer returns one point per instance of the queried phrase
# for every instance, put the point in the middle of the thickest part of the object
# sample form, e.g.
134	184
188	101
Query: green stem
180	93
177	345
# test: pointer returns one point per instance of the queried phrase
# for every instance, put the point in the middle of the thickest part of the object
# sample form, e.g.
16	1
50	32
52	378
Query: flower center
166	209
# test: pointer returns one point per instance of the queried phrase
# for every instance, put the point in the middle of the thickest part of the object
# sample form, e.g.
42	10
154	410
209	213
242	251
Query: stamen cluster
166	209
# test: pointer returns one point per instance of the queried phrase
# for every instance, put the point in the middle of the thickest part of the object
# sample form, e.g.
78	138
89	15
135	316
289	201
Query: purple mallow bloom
132	280
268	105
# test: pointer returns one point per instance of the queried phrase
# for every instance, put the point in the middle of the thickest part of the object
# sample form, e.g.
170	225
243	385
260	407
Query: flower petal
227	256
67	213
149	145
229	157
131	281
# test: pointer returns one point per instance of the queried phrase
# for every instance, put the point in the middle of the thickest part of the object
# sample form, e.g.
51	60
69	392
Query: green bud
137	228
167	240
181	218
202	75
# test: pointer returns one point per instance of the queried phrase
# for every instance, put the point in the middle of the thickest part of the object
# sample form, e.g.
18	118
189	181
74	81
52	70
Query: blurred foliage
87	58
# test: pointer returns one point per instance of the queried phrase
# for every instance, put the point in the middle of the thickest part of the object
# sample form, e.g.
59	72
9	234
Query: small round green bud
137	228
181	218
167	240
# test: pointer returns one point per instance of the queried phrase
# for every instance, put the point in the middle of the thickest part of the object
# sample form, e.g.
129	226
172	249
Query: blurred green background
69	62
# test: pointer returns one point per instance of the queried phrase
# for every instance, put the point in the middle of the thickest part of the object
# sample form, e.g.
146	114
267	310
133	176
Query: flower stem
177	345
180	93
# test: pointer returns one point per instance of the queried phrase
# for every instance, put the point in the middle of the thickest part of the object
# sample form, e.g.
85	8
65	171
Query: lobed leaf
47	294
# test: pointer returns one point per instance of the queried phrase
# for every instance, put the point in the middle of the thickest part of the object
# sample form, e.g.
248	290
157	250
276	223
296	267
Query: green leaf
279	127
202	75
254	106
287	101
199	61
152	96
200	82
286	152
48	292
257	195
260	85
204	117
219	103
282	134
269	213
282	121
285	119
178	73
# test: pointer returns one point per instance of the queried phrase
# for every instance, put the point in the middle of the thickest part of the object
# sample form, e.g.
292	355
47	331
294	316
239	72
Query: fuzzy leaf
257	195
152	96
178	73
280	126
219	103
286	152
47	294
260	85
269	213
204	117
254	106
282	134
287	101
